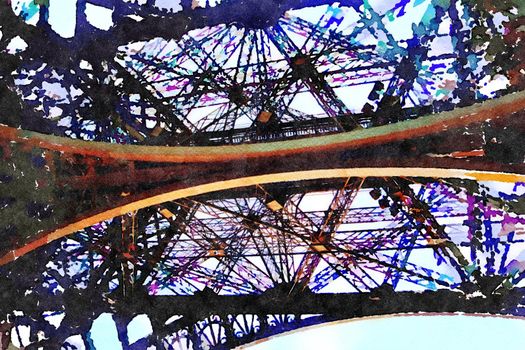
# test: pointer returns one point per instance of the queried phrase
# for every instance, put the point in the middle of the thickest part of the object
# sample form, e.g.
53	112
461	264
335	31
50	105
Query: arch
254	180
431	124
320	328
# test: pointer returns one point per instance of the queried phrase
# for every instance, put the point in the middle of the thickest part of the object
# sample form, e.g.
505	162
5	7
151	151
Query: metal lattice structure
239	252
223	77
231	170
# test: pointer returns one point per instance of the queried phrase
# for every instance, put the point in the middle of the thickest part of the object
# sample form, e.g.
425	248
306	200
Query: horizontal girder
101	180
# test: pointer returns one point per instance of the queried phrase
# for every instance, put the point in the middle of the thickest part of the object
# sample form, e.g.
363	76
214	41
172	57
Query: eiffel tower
232	170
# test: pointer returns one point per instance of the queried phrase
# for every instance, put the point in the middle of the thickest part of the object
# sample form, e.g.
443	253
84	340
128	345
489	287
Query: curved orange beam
426	125
250	181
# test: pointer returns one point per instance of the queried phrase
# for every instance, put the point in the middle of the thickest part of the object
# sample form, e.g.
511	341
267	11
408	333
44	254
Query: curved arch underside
236	222
258	180
492	110
429	146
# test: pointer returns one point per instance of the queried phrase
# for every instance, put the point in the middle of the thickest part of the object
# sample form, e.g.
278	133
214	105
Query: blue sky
443	332
428	332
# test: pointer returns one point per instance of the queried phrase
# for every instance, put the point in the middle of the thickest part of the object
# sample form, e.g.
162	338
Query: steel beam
74	184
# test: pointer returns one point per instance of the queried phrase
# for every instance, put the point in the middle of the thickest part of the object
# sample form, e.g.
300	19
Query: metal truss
225	266
228	80
207	270
53	186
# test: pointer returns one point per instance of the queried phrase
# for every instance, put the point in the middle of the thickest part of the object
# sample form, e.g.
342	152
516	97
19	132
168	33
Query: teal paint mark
473	61
429	15
29	10
444	4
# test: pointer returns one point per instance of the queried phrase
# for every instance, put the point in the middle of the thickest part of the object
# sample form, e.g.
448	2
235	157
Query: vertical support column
5	335
321	239
195	337
263	323
231	340
121	322
128	235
